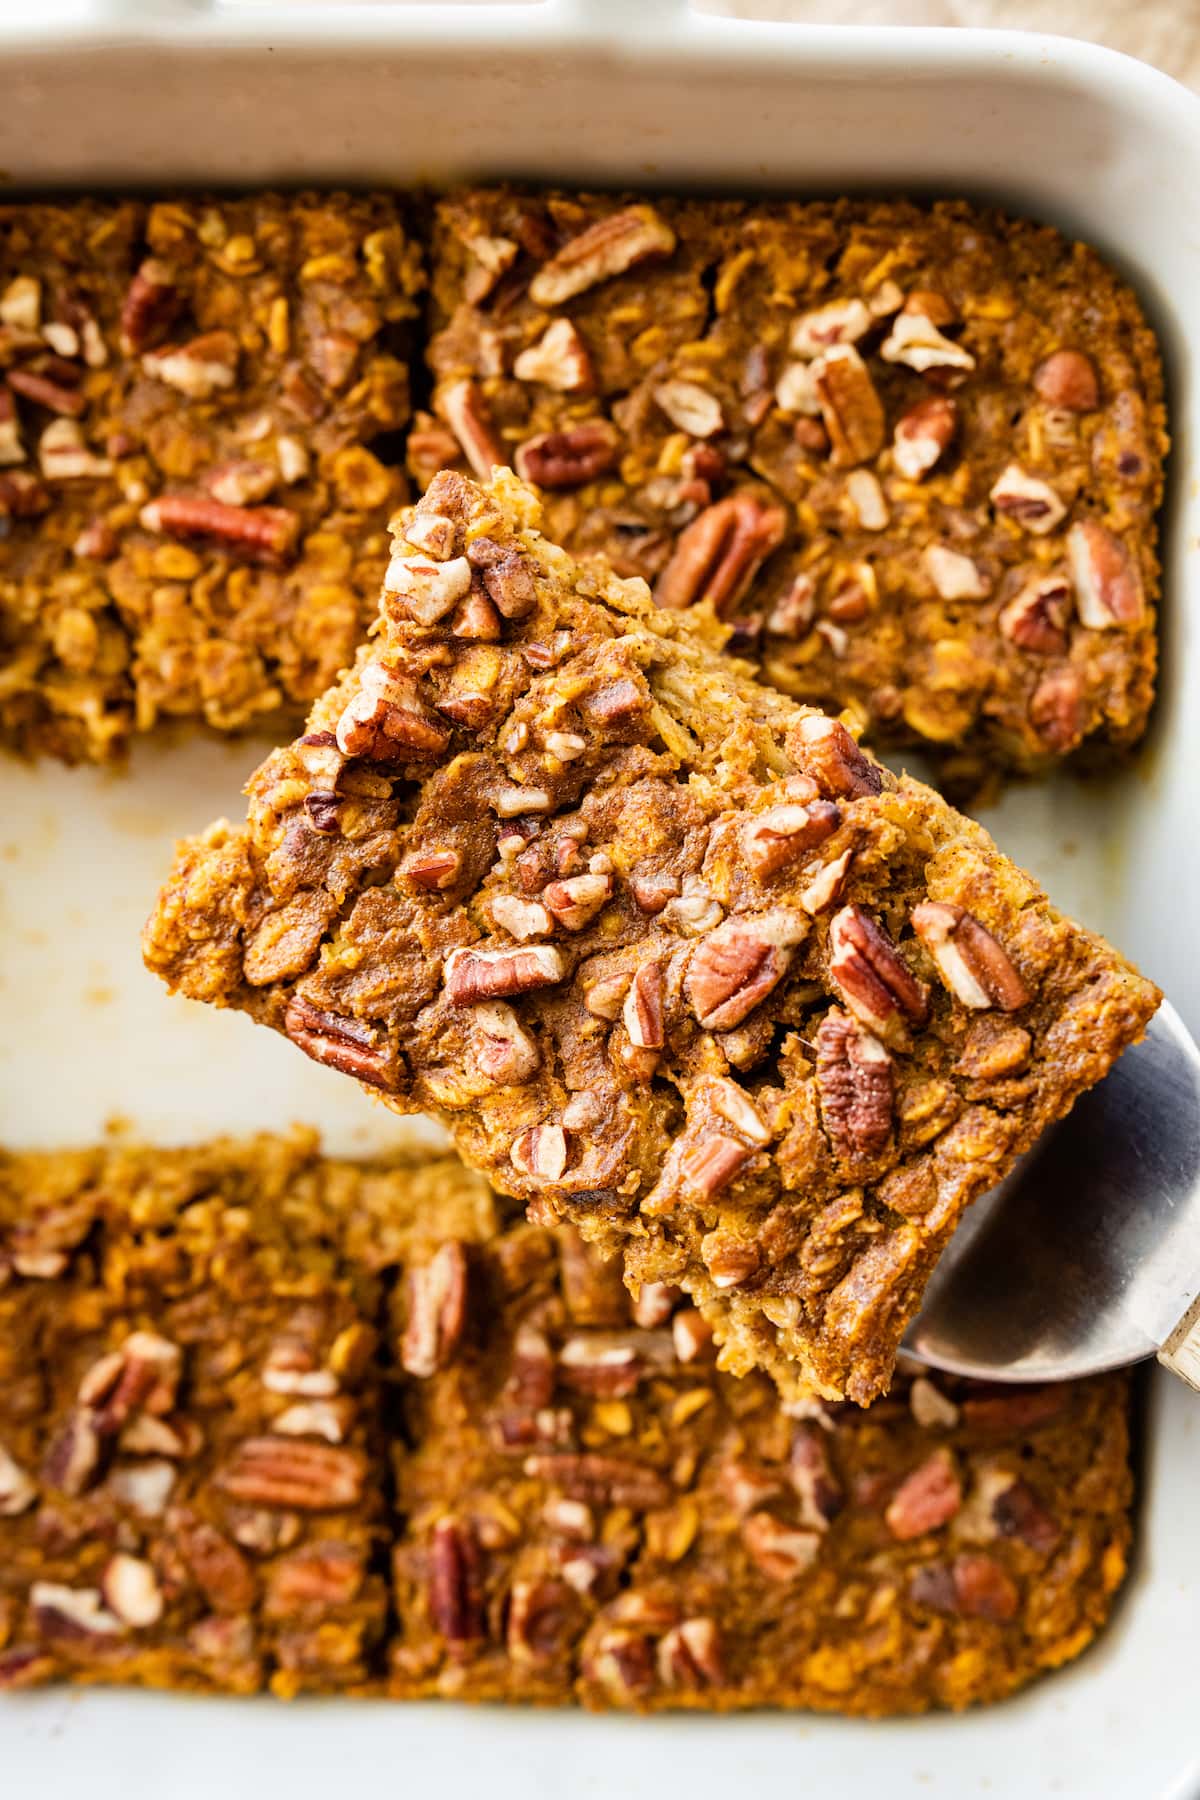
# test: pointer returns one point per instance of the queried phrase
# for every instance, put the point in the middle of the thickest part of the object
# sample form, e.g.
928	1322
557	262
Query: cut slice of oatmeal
669	954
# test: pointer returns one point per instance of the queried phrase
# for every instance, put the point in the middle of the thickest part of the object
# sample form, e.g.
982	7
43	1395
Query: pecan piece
827	884
150	306
780	1551
205	366
1108	584
1056	710
817	1487
320	1575
737	965
689	1656
18	1491
431	870
930	1407
540	1152
915	341
850	407
709	1167
922	436
72	1458
341	1043
387	721
456	1582
522	919
291	1472
1033	504
955	575
569	458
610	1364
983	1589
559	360
1019	1513
541	1617
63	455
70	402
462	405
855	1081
642	1012
607	248
926	1499
600	1480
225	1577
576	901
437	1310
1036	619
262	534
872	978
690	407
773	839
838	322
507	1054
71	1613
424	588
827	752
720	553
971	962
1067	378
473	975
507	575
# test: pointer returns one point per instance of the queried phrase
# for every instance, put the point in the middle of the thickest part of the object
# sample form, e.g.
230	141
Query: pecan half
923	435
1036	619
291	1472
605	249
569	458
224	1576
1108	583
826	751
737	965
559	360
780	1551
872	978
600	1480
1031	503
717	557
424	588
1067	378
456	1582
437	1310
340	1043
855	1081
850	407
473	975
262	534
387	721
150	306
781	835
971	962
462	405
926	1499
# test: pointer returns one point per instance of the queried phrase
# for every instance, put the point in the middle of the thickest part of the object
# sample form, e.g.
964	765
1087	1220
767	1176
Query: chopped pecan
423	589
241	483
708	1167
971	962
507	1054
1019	1513
838	322
12	450
780	1551
456	1582
737	965
955	575
199	369
531	1380
342	1043
145	1487
926	1499
1108	583
872	513
130	1587
522	919
322	1575
691	1334
473	975
689	1656
540	1151
18	1491
72	1458
930	1407
431	532
923	435
69	402
387	721
437	1310
792	613
1020	1409
827	752
23	1666
291	1472
1036	619
600	1480
263	534
329	1419
542	1615
855	1080
611	1364
21	304
826	887
477	620
690	407
558	360
872	978
576	901
915	341
71	1613
507	575
983	1589
616	703
462	405
64	455
145	1379
654	1304
1033	504
850	407
781	835
622	1662
796	393
607	248
571	457
717	557
150	306
817	1487
431	870
1067	378
642	1013
1056	710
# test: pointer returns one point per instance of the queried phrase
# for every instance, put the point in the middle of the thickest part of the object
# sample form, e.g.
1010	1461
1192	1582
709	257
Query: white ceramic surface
158	90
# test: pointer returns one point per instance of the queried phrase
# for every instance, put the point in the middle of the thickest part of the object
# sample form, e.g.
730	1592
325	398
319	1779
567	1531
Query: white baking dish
642	91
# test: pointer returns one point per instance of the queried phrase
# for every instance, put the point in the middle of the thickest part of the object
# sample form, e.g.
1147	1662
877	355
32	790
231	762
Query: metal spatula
1087	1256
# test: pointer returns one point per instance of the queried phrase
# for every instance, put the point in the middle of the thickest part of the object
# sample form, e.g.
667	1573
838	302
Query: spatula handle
1181	1352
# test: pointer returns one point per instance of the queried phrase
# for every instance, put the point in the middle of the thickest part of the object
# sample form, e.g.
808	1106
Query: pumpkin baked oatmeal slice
671	956
591	1512
193	517
192	1446
912	454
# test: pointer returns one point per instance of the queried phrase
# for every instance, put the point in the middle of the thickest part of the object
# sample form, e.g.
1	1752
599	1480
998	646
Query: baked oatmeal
192	515
911	454
671	956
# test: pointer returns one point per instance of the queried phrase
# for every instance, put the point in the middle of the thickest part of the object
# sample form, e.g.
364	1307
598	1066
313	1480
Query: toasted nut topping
866	497
507	1054
916	341
18	1491
850	407
719	554
854	1077
930	1407
643	1010
262	534
691	1334
432	870
839	322
328	1419
817	1487
21	303
12	450
1033	504
708	1168
520	918
576	901
70	402
274	1471
64	455
456	1582
418	588
970	960
131	1589
690	407
601	1480
431	532
1108	585
796	391
737	965
462	405
827	885
923	435
873	980
241	483
792	613
983	1589
494	256
149	307
495	974
1036	619
955	576
387	721
605	249
540	1152
71	1612
199	369
689	1656
779	1551
437	1310
655	1303
569	458
926	1499
825	750
72	1457
1068	379
558	360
